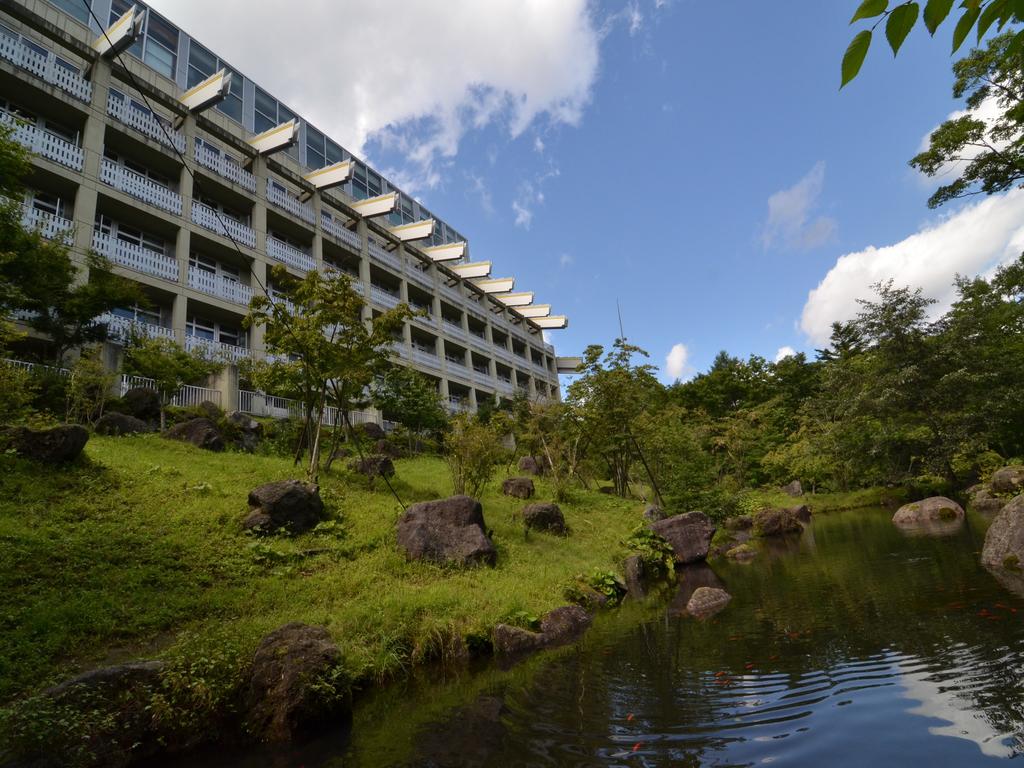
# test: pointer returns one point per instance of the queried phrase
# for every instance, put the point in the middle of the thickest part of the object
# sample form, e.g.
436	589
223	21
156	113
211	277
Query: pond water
854	645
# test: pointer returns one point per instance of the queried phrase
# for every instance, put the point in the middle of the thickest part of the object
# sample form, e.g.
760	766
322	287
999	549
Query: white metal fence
187	396
32	367
260	404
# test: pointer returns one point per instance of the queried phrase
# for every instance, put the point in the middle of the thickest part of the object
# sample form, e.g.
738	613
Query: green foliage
405	395
472	451
89	386
16	394
333	355
853	59
601	585
901	21
656	553
169	364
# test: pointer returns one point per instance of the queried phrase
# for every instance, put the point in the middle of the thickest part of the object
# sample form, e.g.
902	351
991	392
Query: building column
93	138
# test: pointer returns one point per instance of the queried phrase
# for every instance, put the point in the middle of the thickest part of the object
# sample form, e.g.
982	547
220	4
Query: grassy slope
140	550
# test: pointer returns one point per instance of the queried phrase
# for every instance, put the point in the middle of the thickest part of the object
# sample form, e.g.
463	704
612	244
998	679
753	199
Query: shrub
472	450
16	394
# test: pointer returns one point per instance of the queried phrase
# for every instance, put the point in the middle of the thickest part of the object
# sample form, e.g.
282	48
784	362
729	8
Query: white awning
276	139
568	364
375	206
472	269
212	90
448	252
552	322
120	35
515	299
534	310
496	284
330	175
416	230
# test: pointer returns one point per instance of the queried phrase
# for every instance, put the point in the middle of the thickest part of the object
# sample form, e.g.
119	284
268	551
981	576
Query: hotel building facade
194	181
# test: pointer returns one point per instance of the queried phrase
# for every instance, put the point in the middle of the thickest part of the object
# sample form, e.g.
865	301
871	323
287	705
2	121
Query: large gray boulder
545	516
200	432
689	535
777	522
248	431
559	627
289	693
47	446
531	465
981	499
707	601
288	504
113	423
373	466
372	431
934	509
795	488
518	487
653	513
142	403
1008	480
114	701
448	531
1004	541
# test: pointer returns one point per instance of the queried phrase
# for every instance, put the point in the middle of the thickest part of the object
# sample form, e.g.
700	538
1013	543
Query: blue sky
695	161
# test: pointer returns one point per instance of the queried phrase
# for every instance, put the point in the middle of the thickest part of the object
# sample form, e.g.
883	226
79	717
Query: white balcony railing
221	165
384	256
288	202
420	277
186	397
121	328
144	121
205	216
455	360
44	144
384	298
139	186
218	285
50	226
425	358
339	231
135	256
483	379
46	66
290	255
217	349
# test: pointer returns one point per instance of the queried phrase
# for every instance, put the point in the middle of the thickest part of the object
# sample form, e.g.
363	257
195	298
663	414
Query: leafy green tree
335	353
410	398
979	16
88	387
168	364
609	398
38	276
472	451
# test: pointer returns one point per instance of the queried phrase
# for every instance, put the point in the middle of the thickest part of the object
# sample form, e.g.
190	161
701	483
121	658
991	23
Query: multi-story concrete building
195	198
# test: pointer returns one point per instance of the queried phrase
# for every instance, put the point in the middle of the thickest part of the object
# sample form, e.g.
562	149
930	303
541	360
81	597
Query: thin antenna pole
622	333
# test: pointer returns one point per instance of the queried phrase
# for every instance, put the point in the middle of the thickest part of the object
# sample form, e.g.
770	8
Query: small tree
335	352
411	398
472	451
169	365
89	385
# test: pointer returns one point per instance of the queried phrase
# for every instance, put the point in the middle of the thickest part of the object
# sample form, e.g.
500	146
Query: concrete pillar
257	333
93	137
226	382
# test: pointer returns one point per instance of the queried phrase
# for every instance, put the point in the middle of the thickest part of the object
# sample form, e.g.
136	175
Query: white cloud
636	19
790	211
409	74
677	363
529	195
971	241
482	192
784	352
538	145
565	260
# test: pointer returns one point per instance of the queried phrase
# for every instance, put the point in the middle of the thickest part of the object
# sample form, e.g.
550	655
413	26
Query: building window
201	65
315	157
74	8
161	45
213	267
266	111
46	202
200	328
138	314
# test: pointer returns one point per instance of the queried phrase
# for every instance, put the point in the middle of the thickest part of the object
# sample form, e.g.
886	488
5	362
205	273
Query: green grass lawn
138	552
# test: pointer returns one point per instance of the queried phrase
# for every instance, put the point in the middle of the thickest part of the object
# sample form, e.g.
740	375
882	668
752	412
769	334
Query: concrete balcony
44	144
222	166
289	203
219	286
207	217
43	63
340	232
290	255
145	122
384	256
216	349
483	379
50	226
423	357
383	298
421	278
121	328
454	330
140	187
135	257
455	360
453	293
